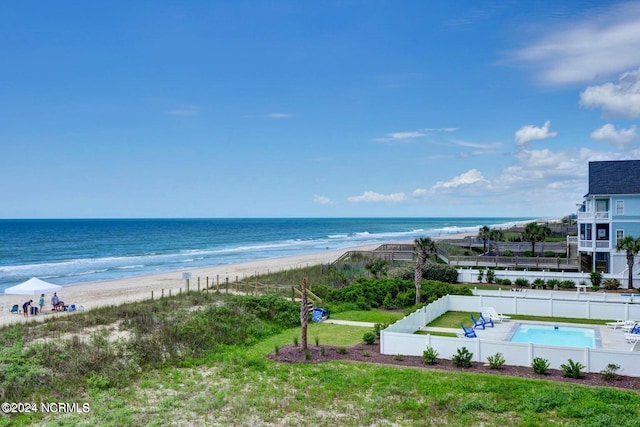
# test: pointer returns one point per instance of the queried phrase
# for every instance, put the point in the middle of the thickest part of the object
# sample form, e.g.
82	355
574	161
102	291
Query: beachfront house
609	212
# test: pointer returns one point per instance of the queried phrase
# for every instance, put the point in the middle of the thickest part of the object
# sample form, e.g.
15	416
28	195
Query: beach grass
234	383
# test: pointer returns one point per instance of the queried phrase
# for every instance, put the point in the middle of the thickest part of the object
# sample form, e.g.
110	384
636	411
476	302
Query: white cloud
279	116
619	99
599	46
530	133
401	136
619	138
372	196
190	110
321	199
470	177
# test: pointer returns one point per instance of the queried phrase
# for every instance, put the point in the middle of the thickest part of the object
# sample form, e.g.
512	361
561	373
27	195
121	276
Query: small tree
535	233
483	234
423	247
596	278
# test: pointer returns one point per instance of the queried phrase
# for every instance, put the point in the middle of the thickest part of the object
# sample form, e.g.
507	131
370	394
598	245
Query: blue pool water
562	336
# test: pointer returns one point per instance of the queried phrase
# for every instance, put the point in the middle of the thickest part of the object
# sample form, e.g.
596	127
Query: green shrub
521	282
527	254
398	357
540	365
430	356
553	283
440	272
507	253
462	359
596	278
567	284
496	361
480	275
506	282
366	353
611	284
539	283
611	372
369	338
572	369
549	254
491	276
379	327
342	350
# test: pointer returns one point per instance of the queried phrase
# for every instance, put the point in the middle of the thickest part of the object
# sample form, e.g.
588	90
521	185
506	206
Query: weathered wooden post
304	314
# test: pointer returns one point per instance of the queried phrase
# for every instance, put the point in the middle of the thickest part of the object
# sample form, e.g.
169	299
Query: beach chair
618	324
635	346
486	313
72	307
495	315
632	327
15	309
481	321
468	332
632	338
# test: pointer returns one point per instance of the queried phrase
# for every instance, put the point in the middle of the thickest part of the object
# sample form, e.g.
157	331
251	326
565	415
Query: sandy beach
137	288
114	292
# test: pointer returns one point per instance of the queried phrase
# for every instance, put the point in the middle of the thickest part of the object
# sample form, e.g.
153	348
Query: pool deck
610	339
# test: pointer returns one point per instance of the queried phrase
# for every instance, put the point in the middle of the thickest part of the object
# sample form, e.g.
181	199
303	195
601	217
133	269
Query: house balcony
594	245
589	216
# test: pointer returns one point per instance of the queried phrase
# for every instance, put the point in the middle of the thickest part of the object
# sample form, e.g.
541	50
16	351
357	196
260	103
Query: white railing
398	339
592	215
602	244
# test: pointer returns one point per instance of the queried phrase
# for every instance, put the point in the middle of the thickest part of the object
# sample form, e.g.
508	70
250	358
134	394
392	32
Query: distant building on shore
610	211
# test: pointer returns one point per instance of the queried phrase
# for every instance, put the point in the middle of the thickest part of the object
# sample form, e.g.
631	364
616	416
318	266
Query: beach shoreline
137	288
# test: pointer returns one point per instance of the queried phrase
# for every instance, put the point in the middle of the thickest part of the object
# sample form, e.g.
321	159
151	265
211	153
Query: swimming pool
562	336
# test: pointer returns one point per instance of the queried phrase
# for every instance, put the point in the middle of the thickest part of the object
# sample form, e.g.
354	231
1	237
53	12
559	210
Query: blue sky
312	108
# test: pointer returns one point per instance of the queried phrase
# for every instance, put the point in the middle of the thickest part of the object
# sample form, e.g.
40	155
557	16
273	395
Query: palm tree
304	314
535	233
423	247
483	234
632	247
496	235
377	268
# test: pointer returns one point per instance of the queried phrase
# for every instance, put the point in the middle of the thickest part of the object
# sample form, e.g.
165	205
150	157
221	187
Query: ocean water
85	250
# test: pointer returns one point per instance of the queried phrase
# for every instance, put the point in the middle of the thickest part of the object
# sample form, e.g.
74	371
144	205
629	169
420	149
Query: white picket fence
400	338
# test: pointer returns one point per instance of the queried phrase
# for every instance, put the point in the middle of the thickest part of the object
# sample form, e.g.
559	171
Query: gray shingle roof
614	177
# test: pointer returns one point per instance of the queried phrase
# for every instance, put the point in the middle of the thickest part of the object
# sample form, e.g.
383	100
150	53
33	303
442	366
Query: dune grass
235	384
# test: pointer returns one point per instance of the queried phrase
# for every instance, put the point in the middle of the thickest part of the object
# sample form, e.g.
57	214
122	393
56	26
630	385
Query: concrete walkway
350	323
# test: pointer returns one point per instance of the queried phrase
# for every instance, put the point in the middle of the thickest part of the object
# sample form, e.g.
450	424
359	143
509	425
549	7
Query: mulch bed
371	354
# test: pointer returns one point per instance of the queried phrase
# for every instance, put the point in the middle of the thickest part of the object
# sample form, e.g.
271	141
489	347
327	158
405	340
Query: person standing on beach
41	303
26	306
55	301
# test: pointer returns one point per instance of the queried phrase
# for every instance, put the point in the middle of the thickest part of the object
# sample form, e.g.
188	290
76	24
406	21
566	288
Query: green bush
507	253
596	278
540	365
572	369
491	276
553	283
611	284
506	282
521	282
342	350
611	372
496	361
462	359
567	284
549	254
440	272
430	356
369	338
527	254
539	283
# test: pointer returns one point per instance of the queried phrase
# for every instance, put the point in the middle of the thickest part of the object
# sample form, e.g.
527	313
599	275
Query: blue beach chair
468	332
480	322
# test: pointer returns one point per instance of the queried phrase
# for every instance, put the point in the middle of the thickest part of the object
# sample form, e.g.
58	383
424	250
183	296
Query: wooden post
226	284
304	314
151	295
162	296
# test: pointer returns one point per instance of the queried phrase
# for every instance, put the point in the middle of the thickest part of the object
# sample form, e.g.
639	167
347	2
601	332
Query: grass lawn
452	319
374	316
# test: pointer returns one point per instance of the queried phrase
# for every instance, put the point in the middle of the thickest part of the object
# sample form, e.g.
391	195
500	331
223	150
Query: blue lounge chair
468	332
480	322
15	309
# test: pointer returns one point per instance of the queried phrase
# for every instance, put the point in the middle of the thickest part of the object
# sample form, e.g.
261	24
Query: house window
619	235
585	231
619	207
